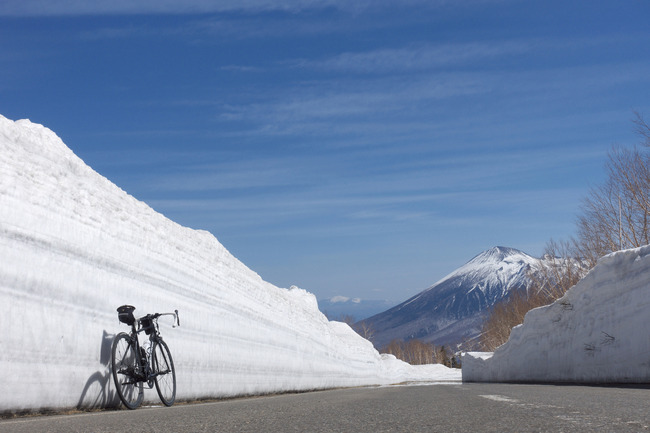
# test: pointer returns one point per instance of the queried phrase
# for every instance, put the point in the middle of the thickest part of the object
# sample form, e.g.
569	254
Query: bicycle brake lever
178	321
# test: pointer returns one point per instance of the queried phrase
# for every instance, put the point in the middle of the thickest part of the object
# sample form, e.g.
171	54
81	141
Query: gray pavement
432	408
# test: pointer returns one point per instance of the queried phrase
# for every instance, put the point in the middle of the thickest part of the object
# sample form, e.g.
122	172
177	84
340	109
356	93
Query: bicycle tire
124	364
164	373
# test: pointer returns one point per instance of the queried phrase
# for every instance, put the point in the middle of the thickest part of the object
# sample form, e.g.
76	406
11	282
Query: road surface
432	408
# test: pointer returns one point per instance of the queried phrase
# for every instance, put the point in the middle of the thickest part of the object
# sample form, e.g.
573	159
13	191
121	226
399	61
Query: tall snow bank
73	247
598	332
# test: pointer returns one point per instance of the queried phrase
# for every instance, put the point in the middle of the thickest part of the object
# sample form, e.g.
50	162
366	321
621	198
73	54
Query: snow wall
599	332
74	247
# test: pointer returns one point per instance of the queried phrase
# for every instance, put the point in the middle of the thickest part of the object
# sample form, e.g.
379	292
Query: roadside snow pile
74	247
599	332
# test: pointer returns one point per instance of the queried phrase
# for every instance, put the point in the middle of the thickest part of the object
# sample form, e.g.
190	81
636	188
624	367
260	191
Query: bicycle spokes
165	376
124	364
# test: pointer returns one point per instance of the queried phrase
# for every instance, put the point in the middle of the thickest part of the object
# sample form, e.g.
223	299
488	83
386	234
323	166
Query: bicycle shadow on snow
99	391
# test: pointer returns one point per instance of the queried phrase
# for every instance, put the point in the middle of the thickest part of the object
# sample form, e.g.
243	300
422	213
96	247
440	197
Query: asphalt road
431	408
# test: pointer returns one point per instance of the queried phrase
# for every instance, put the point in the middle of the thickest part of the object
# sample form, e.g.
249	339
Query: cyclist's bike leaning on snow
134	365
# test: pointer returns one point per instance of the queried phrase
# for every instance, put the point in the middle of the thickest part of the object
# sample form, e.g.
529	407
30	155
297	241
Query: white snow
74	247
512	271
598	332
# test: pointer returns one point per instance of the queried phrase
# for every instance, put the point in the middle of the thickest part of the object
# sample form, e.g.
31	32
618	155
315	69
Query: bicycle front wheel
123	364
164	373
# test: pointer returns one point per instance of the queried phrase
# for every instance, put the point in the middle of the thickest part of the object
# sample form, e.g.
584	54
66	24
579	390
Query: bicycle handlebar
157	315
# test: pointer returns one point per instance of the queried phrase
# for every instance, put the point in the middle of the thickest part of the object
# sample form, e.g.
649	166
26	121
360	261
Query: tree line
417	352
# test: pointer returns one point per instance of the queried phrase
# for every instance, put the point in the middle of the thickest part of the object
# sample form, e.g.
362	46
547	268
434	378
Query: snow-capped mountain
453	309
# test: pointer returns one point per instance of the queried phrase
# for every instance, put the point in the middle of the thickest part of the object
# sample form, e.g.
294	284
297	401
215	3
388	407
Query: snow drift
597	333
74	247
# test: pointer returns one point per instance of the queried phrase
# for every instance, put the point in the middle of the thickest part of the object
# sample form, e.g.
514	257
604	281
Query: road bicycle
134	365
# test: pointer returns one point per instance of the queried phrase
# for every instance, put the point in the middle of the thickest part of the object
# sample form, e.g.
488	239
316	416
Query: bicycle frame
154	337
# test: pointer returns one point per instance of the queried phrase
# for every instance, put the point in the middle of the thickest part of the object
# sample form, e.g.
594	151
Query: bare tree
561	267
615	216
642	128
364	329
348	319
506	314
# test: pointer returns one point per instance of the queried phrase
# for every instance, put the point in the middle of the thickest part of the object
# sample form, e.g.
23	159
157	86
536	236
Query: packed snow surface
74	247
598	332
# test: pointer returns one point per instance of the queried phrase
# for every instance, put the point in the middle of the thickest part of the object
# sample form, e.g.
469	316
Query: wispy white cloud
125	7
416	58
254	172
302	108
411	193
344	111
240	68
116	32
74	7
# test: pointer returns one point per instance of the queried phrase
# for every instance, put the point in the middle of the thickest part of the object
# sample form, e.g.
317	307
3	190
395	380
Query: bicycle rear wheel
123	364
164	373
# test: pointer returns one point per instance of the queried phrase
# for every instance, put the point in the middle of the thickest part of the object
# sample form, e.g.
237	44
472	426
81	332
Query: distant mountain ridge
341	308
454	308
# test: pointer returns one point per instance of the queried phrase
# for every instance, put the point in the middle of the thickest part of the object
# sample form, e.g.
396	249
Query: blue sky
357	148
